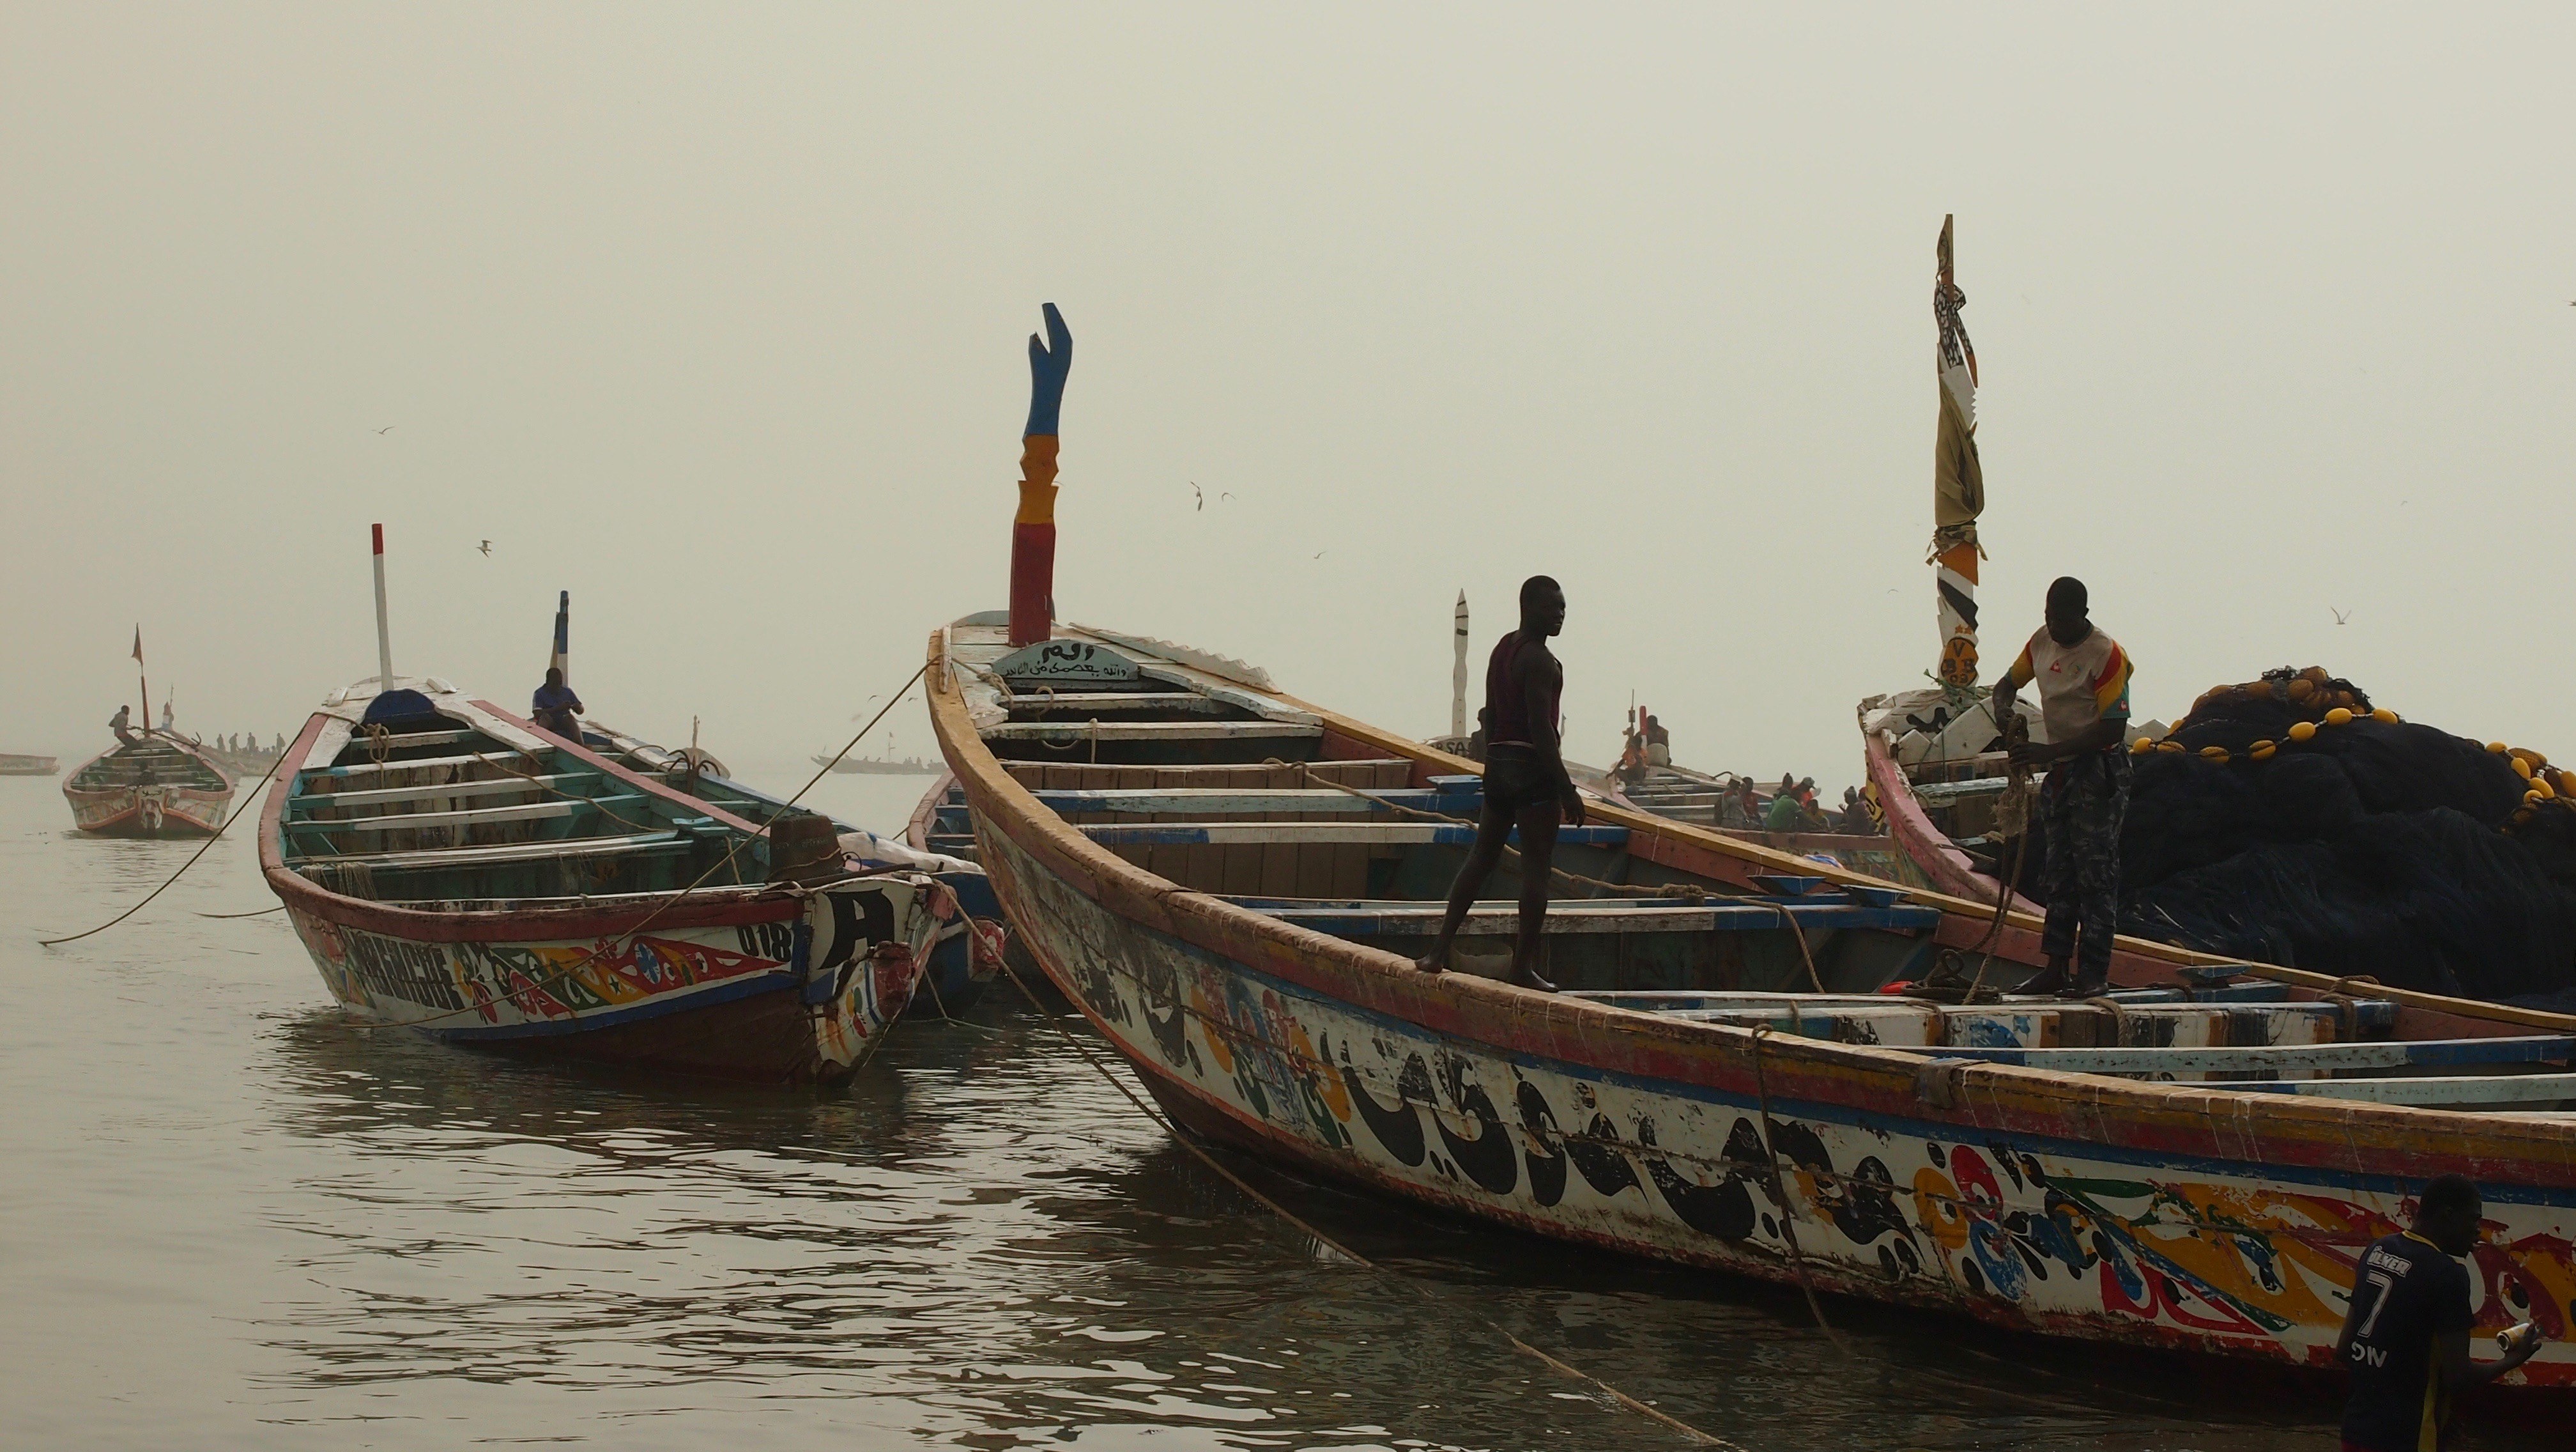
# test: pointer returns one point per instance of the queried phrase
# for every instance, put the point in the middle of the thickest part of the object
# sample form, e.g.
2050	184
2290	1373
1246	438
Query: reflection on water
239	1219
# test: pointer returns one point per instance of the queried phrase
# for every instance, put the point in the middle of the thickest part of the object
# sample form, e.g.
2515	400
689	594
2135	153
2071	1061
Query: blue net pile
2372	847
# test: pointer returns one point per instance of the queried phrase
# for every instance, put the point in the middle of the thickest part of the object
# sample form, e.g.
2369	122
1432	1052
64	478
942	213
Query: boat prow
156	785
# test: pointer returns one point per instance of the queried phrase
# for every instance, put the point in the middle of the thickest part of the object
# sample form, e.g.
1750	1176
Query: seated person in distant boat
556	708
1659	743
122	723
1526	785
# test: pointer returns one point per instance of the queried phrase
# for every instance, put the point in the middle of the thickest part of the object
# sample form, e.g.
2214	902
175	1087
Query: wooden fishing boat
157	785
1680	794
1229	882
15	764
456	870
880	766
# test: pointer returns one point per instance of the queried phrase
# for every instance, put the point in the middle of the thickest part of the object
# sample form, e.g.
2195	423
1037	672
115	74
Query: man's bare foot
1527	977
1436	963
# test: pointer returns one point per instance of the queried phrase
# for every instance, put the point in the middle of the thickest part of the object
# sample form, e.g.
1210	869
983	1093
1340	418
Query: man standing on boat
122	723
2083	679
556	708
2405	1336
1526	785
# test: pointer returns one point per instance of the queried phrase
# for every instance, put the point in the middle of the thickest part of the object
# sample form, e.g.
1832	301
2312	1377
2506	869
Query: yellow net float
2339	717
2170	747
2263	751
2566	783
2141	746
2498	747
2302	730
2214	753
2521	768
2541	786
2384	716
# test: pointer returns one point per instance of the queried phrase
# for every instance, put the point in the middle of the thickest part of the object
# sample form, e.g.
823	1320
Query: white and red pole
384	632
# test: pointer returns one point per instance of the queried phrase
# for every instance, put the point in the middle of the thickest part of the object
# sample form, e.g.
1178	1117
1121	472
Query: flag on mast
1958	483
138	645
563	637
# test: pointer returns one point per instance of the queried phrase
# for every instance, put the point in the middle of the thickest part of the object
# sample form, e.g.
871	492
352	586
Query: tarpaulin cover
2372	848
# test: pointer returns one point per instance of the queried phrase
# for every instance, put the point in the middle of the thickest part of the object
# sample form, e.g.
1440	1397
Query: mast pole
384	631
1458	671
142	680
1958	481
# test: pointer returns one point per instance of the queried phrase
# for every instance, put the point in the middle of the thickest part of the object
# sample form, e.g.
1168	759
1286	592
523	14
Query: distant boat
156	785
15	765
456	870
881	766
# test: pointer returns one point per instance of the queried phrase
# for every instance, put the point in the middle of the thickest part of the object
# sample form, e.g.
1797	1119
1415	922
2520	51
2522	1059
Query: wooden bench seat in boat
1220	801
1944	793
1599	915
1055	732
468	817
1357	834
2031	1024
408	795
357	769
1376	774
413	740
2447	1089
2232	1058
504	852
1111	703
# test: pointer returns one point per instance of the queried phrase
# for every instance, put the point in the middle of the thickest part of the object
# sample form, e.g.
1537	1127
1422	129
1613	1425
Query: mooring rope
1410	1283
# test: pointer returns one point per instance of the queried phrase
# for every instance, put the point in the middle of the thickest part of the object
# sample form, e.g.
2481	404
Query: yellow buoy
2541	785
2338	717
2567	783
2263	751
2141	746
2384	716
2302	730
2521	768
2498	747
2213	753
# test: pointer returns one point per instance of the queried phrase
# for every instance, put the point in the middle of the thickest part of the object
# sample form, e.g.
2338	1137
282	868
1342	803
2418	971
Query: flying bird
1198	494
1319	554
2340	615
389	428
486	547
1225	494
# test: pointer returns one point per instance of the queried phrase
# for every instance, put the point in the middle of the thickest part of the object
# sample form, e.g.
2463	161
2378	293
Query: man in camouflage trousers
2083	679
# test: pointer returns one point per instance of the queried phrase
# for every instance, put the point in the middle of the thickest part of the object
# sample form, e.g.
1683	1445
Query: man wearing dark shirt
2406	1333
1526	785
555	707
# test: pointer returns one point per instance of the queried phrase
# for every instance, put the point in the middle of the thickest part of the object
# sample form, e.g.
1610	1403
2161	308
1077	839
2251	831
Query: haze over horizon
716	319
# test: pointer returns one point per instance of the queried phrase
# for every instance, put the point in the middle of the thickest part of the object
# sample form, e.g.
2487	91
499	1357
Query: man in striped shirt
2083	680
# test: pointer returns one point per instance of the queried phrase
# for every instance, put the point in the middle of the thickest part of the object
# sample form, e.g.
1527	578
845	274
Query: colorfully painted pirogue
156	785
1230	882
457	870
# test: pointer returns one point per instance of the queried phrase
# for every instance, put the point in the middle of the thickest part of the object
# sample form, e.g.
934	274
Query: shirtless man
1525	781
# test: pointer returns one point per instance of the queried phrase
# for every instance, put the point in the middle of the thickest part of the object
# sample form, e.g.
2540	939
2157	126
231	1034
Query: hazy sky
715	317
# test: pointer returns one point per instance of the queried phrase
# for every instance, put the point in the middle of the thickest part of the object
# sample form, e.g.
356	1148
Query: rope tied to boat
1561	1368
1780	1193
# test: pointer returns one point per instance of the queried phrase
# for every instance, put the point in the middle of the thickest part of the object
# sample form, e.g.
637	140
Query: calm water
231	1218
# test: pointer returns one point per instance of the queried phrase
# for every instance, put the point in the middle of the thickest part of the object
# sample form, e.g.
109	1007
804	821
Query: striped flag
1958	482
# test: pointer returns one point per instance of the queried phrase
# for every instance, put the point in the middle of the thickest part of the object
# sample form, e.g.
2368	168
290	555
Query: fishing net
2284	820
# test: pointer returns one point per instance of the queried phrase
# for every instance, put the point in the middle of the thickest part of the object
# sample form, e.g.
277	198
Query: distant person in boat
165	715
1526	785
2083	680
1739	806
122	723
1659	742
280	747
2405	1336
556	708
